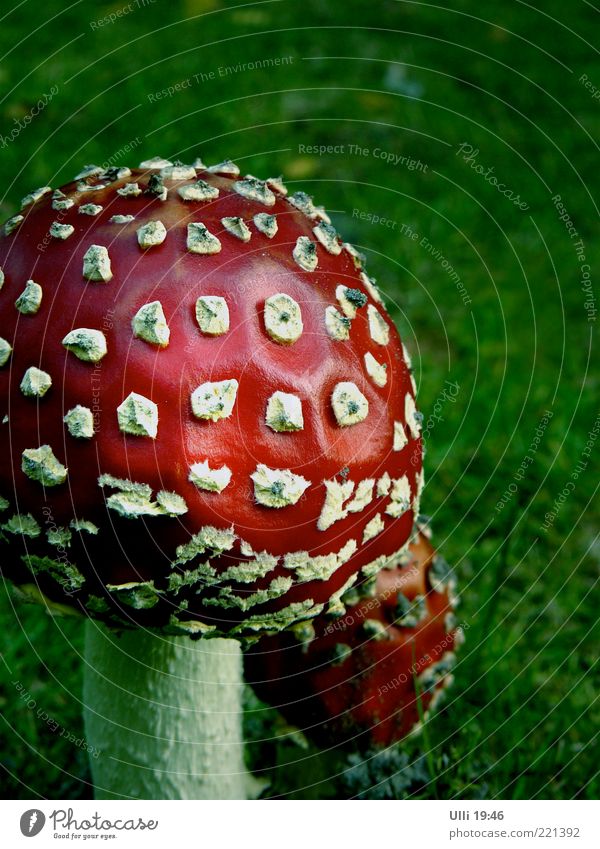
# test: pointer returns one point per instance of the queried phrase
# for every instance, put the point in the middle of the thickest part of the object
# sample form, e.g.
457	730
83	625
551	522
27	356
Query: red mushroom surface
360	677
208	419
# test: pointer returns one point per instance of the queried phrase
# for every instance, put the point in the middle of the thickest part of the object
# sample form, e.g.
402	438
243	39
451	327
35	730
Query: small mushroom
369	673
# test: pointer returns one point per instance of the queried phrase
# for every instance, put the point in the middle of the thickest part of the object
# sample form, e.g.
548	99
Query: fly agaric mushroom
209	430
371	675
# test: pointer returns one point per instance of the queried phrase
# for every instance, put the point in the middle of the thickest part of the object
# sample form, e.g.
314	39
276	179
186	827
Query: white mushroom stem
165	715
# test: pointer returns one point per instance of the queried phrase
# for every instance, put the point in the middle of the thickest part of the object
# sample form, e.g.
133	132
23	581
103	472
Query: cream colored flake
60	537
333	509
88	345
190	627
156	189
30	299
115	173
129	190
204	575
321	214
277	487
198	191
121	219
212	480
412	417
383	485
5	351
280	620
1	278
126	485
214	400
151	234
134	500
400	438
237	227
375	630
321	567
284	412
61	231
12	224
215	540
278	184
90	209
358	258
88	171
337	325
420	482
227	168
349	404
305	253
250	571
400	497
266	224
155	162
376	371
22	525
336	606
407	357
283	319
254	189
81	525
212	315
200	241
350	300
178	172
373	527
132	505
86	187
60	202
150	324
246	549
303	202
138	416
171	503
96	264
35	195
80	422
40	464
371	287
378	328
35	383
328	237
228	599
347	551
308	568
363	496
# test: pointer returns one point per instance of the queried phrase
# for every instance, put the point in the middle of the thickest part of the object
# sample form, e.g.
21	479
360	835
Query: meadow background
490	295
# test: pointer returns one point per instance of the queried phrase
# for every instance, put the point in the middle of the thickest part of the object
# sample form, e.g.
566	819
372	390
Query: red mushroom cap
362	676
209	419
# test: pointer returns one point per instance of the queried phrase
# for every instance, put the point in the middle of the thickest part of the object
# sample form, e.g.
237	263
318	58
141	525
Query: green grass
415	81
